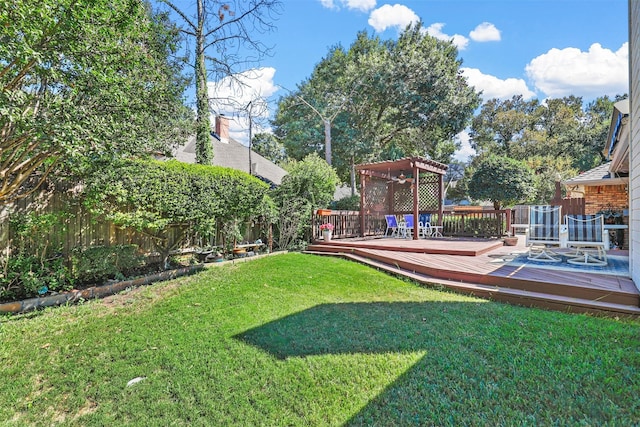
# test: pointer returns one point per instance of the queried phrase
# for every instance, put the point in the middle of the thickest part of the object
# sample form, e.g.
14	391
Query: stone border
94	292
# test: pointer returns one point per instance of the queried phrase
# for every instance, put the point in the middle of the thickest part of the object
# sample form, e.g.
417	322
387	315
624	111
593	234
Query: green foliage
156	197
99	263
27	276
547	171
268	146
310	184
502	180
557	128
348	203
33	264
81	81
406	96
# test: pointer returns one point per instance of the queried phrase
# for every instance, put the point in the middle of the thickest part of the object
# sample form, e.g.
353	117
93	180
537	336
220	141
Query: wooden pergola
409	185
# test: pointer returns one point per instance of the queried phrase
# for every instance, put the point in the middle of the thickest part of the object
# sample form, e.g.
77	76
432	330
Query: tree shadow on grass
479	368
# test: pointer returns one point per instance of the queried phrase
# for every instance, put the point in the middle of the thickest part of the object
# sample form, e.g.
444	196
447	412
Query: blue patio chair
407	229
544	231
392	224
586	235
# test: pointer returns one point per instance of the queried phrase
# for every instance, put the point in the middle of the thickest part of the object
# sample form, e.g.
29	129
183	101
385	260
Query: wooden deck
486	268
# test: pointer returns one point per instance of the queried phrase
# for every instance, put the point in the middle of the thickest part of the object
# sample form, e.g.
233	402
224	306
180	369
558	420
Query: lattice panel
403	198
375	198
377	193
429	192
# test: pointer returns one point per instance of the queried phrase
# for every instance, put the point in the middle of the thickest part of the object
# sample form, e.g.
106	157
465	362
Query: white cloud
362	5
465	151
493	87
231	97
569	71
485	32
329	4
435	30
388	16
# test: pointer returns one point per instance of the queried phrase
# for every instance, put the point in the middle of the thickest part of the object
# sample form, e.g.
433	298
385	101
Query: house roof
617	145
233	155
600	175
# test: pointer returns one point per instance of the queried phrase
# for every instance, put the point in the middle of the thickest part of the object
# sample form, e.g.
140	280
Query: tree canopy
385	98
556	138
81	80
502	180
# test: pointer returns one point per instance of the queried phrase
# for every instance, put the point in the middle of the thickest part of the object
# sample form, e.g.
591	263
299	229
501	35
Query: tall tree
80	80
268	146
406	96
559	128
223	33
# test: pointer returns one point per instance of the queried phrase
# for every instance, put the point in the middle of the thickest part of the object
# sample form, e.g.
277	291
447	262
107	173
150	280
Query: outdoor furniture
392	224
544	231
424	225
406	227
586	234
427	229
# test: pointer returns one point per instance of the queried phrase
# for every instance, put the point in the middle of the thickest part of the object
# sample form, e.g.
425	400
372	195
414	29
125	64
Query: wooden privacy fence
75	227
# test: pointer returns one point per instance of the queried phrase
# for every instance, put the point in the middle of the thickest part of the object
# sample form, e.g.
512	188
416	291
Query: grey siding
634	159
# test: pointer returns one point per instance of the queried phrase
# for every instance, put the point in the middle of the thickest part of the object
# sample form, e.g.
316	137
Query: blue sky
536	48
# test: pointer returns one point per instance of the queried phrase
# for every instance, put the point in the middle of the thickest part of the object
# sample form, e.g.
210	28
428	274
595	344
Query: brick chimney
222	128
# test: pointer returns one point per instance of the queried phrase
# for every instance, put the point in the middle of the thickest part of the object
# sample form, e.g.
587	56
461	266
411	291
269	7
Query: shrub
310	184
348	203
26	276
99	263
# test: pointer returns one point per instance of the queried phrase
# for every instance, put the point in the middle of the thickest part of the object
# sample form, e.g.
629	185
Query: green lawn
303	340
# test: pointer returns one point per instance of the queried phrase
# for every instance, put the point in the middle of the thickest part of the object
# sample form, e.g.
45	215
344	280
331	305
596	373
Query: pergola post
362	200
416	200
441	203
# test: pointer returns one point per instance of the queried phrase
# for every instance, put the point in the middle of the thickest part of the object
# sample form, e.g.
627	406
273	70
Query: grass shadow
483	363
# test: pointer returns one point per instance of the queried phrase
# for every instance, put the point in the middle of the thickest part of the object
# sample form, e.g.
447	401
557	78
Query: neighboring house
229	153
634	144
605	188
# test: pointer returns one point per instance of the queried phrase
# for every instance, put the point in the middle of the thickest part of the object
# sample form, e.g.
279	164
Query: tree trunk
204	149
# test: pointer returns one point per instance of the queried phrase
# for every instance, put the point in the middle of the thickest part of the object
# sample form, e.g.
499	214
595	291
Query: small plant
98	263
326	226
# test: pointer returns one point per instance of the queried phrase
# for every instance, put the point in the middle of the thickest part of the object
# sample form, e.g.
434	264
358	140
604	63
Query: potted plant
510	240
327	231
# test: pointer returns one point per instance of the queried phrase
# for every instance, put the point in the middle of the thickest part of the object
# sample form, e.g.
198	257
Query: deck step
511	281
513	296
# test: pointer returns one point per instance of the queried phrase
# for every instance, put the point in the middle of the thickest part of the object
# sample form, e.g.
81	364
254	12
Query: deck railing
479	223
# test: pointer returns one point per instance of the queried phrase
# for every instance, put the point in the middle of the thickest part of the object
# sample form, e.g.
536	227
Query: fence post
507	213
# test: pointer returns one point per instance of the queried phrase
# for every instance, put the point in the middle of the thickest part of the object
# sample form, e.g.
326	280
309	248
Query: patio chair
406	228
392	224
586	234
424	225
544	231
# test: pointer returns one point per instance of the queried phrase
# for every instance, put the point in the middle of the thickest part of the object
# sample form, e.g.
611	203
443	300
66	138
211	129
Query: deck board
430	257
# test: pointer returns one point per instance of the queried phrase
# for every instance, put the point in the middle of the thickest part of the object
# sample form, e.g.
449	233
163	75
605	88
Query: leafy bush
348	203
310	184
33	265
25	276
99	263
156	197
